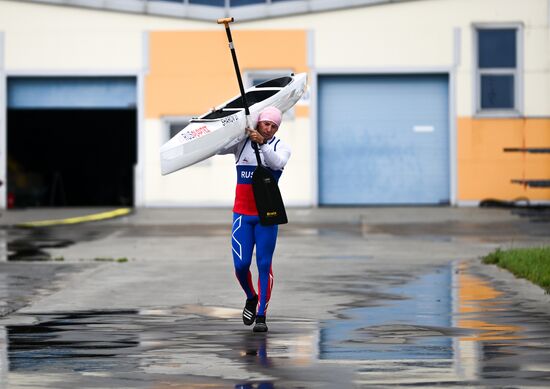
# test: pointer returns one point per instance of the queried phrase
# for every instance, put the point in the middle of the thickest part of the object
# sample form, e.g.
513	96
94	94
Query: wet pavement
20	284
361	301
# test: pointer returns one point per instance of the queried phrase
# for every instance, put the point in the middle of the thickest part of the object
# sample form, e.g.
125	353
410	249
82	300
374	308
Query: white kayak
224	126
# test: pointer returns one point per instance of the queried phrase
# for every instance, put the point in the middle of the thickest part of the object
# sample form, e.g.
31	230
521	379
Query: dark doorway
71	157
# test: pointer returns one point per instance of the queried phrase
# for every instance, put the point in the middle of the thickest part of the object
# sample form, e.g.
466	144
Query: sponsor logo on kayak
229	119
196	133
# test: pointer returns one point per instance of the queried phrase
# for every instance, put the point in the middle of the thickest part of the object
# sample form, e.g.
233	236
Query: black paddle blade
269	202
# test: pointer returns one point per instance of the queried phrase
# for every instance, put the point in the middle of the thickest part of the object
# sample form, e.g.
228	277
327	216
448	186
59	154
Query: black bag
269	202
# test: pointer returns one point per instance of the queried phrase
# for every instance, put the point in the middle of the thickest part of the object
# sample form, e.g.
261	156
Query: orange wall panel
537	133
191	71
485	170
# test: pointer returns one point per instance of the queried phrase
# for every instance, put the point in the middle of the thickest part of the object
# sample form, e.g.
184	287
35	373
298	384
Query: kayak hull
225	125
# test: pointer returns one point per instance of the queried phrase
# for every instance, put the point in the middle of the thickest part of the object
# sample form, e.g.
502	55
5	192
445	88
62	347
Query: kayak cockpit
258	94
252	98
280	82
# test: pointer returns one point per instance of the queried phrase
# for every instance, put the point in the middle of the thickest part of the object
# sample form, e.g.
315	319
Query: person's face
267	129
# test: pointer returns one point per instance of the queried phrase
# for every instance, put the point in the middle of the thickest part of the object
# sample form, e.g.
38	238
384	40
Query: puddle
405	328
23	244
184	344
32	248
32	244
449	326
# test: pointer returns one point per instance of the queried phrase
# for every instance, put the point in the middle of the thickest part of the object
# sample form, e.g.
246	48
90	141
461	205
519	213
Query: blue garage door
383	140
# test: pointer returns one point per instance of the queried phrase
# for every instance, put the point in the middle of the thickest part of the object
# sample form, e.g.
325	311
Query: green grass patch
104	259
532	264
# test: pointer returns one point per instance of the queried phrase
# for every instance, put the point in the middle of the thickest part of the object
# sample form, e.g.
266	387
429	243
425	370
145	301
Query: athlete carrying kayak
247	231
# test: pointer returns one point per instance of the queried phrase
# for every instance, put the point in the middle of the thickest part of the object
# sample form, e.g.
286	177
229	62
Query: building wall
411	37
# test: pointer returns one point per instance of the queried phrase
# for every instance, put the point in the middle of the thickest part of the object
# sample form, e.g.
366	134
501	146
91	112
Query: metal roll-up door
383	139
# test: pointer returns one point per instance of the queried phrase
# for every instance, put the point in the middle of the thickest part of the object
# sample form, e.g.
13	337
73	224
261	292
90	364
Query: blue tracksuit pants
246	233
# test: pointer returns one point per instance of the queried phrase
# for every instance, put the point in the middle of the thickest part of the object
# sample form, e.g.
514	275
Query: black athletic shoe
260	324
249	311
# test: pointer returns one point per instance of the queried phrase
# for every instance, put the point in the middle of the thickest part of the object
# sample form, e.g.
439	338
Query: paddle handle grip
226	21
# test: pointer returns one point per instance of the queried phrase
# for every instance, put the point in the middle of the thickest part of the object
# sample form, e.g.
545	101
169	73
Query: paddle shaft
226	22
271	209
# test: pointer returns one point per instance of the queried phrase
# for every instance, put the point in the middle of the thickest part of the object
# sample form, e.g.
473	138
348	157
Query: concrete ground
362	297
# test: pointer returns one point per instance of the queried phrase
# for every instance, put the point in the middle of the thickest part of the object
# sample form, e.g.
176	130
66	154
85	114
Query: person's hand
255	136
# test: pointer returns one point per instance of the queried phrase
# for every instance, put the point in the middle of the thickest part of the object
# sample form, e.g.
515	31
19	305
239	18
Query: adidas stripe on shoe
249	311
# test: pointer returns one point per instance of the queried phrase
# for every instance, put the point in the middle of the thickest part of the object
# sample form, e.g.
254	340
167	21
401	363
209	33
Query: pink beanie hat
271	114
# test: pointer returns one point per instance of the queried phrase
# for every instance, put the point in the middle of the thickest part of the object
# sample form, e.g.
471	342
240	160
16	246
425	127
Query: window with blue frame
498	70
215	3
238	3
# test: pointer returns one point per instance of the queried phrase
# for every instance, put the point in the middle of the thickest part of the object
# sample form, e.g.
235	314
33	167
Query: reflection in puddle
475	295
75	341
422	322
3	355
435	333
387	332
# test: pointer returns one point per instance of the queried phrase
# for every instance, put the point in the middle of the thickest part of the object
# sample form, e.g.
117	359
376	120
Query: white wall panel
464	93
537	101
54	38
